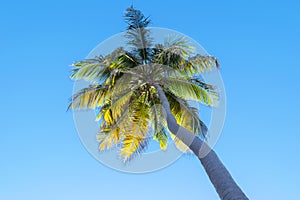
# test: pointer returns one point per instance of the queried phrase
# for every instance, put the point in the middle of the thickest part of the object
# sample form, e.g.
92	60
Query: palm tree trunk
223	182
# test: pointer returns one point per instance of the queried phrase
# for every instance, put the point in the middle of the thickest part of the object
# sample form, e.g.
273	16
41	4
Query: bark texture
221	179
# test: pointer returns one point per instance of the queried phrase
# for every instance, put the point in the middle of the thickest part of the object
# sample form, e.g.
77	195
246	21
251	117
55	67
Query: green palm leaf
132	145
159	124
136	128
89	98
95	70
162	137
190	89
199	64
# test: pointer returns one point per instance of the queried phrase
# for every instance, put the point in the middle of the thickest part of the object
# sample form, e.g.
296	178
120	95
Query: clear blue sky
257	43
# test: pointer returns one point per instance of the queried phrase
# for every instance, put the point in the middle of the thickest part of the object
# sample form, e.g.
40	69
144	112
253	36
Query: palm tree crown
122	89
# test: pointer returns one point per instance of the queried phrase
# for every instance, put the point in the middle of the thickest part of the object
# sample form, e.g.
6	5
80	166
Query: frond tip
162	137
89	98
135	19
132	145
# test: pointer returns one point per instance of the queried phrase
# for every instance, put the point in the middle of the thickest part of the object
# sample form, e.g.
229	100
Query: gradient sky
257	43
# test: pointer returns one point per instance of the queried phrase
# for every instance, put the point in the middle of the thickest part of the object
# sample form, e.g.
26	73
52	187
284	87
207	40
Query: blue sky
257	43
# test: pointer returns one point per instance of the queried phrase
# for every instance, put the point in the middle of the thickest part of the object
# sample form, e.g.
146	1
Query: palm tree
144	92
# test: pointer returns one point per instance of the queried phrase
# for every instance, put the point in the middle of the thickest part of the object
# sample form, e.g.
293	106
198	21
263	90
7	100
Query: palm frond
88	71
127	61
192	89
120	100
89	98
129	127
95	70
178	45
111	130
108	138
177	53
132	145
123	63
200	64
162	137
137	33
159	125
137	126
173	53
111	123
